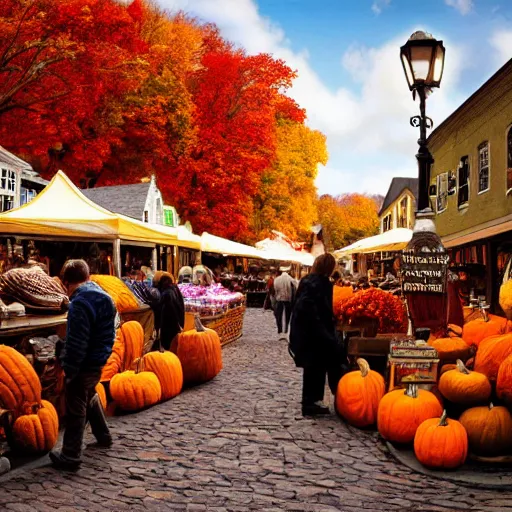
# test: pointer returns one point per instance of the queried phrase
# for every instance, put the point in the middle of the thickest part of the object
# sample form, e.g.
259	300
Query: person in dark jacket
170	313
89	340
313	343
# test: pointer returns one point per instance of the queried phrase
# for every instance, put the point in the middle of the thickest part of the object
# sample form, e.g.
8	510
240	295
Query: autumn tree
287	197
347	218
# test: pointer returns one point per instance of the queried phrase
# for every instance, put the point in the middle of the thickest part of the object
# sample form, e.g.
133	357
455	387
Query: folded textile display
34	289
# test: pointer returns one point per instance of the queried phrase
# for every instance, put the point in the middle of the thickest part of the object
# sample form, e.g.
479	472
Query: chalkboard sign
423	271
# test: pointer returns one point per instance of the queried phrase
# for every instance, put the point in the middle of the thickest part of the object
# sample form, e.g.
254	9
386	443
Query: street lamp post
423	61
425	262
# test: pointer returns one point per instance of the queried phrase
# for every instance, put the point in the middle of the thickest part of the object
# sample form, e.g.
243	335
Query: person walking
169	312
90	337
284	290
313	342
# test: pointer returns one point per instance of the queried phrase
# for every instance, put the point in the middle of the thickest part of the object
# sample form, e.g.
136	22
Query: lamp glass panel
438	64
421	58
408	70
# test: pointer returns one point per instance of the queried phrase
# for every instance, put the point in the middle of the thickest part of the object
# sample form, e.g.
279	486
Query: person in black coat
170	311
313	342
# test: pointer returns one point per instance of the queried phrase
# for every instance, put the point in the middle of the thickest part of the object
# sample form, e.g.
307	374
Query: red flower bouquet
375	303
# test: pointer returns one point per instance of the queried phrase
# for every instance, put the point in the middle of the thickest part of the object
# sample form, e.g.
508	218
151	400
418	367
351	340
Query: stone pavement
239	443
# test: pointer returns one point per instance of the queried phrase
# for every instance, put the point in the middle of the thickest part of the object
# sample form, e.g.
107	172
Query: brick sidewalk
239	443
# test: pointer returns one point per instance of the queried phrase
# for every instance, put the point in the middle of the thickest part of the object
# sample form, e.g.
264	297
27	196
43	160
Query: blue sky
350	77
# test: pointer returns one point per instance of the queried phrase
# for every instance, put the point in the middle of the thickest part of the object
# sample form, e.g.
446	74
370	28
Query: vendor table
30	324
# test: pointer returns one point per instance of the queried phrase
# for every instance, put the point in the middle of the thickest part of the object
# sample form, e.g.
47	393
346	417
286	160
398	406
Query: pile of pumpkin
136	381
479	398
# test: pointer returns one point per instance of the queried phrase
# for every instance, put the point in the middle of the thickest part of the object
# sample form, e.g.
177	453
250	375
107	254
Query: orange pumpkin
451	348
358	395
489	430
135	390
133	335
477	330
454	331
115	362
401	413
38	430
441	443
504	381
462	386
19	382
199	351
102	394
491	353
167	367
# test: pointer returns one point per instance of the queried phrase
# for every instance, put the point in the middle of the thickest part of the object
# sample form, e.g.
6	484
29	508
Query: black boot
60	461
315	409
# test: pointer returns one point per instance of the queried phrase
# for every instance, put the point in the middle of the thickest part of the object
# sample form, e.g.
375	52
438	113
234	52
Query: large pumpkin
477	330
451	348
167	367
441	443
462	386
133	390
402	412
19	383
133	335
200	353
358	395
491	353
115	362
504	381
489	430
118	291
38	430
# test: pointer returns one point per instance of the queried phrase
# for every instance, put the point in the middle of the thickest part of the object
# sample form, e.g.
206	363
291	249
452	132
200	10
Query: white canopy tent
274	250
218	245
392	240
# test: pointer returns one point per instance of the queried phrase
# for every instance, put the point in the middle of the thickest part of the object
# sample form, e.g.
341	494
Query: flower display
209	300
375	303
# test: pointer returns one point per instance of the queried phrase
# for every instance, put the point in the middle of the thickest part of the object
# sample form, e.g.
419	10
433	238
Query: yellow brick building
471	182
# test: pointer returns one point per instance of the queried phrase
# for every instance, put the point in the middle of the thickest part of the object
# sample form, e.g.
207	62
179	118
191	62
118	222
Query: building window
403	221
6	203
463	182
8	181
386	223
442	192
158	210
26	195
509	160
146	216
483	167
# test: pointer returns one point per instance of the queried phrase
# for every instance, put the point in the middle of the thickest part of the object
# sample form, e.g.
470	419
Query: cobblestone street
240	443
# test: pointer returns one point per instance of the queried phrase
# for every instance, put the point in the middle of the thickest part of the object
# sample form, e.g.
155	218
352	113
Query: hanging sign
424	271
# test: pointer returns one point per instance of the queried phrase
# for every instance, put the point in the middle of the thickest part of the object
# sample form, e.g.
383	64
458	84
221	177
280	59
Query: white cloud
379	5
501	41
463	6
367	126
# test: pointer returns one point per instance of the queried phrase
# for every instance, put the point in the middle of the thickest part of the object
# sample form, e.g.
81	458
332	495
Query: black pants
82	405
286	308
313	383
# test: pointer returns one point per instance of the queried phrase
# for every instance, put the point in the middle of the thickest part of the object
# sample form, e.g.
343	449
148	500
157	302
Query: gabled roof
13	160
398	185
129	200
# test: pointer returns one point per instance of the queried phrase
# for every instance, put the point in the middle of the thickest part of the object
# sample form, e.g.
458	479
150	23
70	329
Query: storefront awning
392	240
274	250
481	232
61	210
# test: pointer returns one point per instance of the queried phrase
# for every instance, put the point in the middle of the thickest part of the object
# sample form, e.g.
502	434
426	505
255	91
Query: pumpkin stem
412	390
443	419
139	365
461	367
199	327
363	366
491	406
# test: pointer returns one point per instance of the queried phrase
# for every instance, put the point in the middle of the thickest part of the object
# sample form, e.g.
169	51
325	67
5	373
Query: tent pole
116	256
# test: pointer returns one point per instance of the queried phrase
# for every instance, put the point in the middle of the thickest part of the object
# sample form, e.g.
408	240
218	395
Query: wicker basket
229	326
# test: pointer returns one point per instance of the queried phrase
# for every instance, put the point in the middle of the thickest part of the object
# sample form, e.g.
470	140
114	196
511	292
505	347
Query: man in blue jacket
89	341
